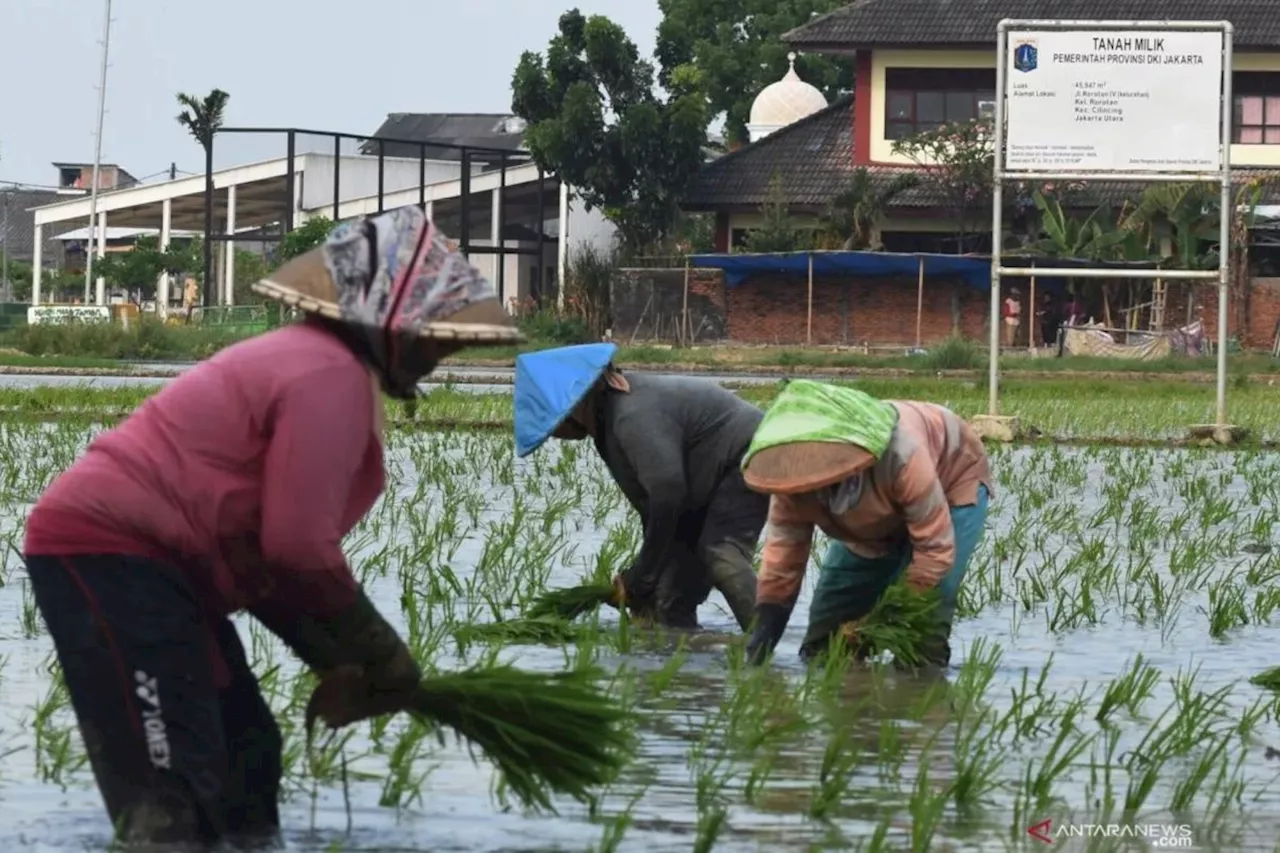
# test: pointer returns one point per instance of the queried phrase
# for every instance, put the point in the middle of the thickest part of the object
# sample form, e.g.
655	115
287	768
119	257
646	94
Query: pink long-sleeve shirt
244	473
934	461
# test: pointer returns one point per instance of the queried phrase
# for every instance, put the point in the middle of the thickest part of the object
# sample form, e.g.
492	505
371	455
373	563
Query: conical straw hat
394	274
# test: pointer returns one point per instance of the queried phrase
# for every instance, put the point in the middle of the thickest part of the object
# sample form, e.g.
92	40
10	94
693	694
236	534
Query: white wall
586	226
358	178
518	271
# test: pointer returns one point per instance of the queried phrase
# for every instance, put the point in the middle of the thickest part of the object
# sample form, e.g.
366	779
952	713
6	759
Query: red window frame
1256	107
955	94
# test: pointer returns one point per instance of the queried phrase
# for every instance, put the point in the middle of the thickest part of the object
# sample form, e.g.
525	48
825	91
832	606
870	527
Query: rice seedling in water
1098	568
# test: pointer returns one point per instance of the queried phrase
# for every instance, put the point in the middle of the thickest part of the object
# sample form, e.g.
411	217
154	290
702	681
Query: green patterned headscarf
814	411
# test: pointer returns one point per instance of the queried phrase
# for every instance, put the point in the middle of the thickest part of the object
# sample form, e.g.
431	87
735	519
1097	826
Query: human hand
350	693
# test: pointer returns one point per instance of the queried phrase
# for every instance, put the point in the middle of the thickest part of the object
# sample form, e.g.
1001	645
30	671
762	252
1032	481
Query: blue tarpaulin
738	268
974	270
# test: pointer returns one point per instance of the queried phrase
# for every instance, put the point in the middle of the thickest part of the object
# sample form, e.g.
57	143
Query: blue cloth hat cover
549	384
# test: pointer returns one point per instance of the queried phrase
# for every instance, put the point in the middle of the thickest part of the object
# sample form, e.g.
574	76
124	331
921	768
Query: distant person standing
1075	310
1012	314
1049	320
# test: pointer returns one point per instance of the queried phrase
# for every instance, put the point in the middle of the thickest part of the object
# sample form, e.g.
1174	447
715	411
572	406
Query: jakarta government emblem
1026	56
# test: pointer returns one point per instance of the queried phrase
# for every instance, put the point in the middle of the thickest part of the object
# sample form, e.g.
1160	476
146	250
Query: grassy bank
102	346
1068	409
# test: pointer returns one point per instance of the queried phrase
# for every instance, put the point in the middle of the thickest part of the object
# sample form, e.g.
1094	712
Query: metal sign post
1135	101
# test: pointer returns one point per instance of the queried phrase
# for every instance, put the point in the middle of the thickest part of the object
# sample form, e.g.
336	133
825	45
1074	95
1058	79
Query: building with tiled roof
921	63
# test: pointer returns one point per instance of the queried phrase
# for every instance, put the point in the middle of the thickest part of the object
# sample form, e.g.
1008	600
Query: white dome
785	102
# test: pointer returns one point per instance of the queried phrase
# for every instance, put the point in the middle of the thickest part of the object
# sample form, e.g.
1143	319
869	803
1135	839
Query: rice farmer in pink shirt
231	490
900	487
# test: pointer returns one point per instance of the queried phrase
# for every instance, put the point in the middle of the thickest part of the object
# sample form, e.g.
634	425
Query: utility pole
4	244
97	157
173	171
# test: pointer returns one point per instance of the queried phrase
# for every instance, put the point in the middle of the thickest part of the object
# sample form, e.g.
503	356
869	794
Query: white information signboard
1113	100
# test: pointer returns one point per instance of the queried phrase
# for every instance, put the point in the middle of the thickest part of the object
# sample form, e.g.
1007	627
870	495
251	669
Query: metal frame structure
468	154
1222	175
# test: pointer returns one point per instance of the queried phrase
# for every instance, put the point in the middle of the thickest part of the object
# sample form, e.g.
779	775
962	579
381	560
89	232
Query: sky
319	64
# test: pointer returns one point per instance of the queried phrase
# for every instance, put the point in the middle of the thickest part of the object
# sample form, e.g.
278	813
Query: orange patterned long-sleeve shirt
934	461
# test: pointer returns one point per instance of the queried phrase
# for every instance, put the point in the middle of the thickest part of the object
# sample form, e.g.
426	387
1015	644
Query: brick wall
1263	313
773	309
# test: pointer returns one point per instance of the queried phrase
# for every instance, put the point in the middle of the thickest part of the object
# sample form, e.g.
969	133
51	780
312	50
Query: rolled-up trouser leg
683	587
849	585
136	654
254	749
727	543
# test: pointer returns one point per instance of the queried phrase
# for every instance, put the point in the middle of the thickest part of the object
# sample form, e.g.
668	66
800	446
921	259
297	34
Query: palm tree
853	215
202	118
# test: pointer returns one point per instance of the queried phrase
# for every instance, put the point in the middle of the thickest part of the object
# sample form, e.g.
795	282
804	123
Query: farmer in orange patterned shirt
900	487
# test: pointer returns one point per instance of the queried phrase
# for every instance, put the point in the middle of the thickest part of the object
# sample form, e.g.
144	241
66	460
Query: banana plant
1090	239
1175	220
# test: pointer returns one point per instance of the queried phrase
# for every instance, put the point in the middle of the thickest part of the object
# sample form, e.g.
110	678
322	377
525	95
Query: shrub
955	353
147	339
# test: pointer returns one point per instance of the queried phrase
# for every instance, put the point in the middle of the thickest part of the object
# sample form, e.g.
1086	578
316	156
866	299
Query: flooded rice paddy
1110	622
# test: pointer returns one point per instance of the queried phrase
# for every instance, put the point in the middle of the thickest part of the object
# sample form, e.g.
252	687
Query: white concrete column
163	286
229	268
562	244
37	263
102	253
431	210
495	240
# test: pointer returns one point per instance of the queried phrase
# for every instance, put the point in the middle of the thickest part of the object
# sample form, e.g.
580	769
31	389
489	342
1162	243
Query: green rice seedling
927	806
403	782
1130	690
1067	747
839	762
977	759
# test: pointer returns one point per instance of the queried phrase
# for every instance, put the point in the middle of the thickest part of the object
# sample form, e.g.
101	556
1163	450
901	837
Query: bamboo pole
1032	324
809	330
684	311
919	301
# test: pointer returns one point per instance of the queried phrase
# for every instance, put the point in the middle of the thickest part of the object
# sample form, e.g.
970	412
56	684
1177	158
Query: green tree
250	269
596	121
956	162
853	215
202	117
778	230
737	48
304	238
138	270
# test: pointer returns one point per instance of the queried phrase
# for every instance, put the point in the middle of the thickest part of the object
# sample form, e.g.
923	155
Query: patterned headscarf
395	273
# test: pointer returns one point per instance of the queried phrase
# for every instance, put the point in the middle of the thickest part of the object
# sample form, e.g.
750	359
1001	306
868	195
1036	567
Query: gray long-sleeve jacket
668	444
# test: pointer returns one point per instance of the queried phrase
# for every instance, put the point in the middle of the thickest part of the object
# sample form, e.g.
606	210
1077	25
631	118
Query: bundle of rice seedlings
542	630
547	733
568	604
904	623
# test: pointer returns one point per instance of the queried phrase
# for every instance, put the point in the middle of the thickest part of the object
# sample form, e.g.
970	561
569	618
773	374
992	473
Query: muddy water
467	491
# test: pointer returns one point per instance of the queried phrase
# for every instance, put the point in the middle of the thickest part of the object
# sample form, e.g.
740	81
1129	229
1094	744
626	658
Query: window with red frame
1257	108
920	99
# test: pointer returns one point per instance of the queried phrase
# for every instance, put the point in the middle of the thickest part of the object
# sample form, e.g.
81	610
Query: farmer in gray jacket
674	445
